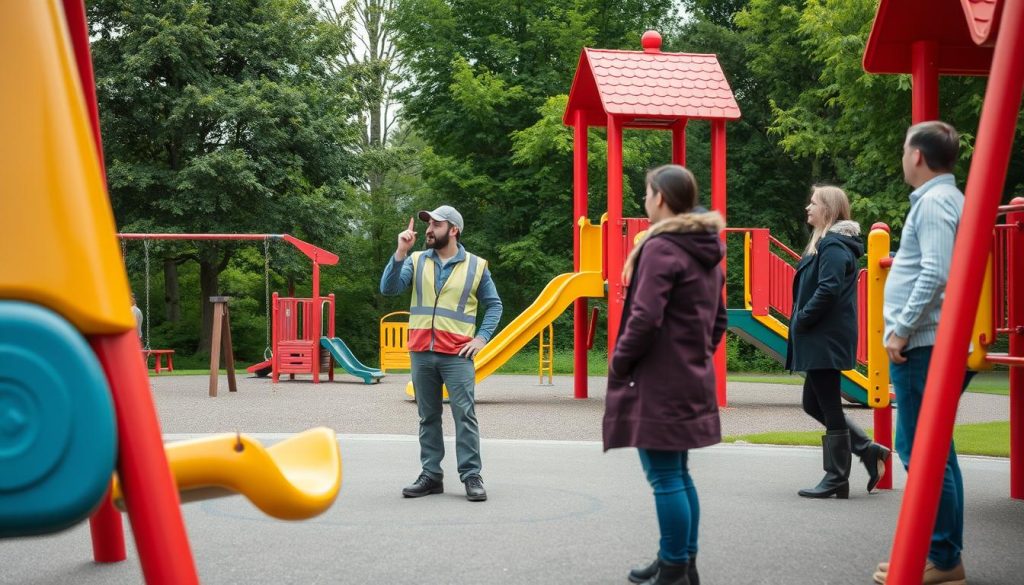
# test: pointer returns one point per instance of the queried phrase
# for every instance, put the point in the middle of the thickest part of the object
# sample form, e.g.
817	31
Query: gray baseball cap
444	213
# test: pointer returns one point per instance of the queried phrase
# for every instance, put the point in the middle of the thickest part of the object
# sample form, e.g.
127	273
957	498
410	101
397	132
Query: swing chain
268	352
145	250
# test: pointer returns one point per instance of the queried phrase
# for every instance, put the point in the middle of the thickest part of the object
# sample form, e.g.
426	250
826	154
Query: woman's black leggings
822	400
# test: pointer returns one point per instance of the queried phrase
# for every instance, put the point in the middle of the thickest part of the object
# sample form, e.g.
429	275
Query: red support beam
1015	314
924	74
942	391
150	493
718	203
679	143
616	292
579	209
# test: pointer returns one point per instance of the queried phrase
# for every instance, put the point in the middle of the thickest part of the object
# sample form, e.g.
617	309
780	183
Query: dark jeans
675	499
822	399
430	373
908	380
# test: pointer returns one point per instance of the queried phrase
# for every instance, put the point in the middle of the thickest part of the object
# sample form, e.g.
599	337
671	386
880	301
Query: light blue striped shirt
916	283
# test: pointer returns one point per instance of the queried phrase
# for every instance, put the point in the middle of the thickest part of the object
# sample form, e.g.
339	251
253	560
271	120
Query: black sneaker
423	486
475	491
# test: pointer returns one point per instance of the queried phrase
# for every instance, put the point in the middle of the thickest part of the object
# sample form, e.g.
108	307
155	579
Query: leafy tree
482	71
222	117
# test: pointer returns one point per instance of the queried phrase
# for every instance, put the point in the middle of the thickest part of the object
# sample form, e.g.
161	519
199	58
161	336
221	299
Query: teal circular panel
58	439
35	417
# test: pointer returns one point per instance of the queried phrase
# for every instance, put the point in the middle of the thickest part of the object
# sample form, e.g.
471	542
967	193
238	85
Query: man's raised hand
406	240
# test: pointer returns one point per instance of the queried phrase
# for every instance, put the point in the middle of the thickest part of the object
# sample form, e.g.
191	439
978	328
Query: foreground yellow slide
294	479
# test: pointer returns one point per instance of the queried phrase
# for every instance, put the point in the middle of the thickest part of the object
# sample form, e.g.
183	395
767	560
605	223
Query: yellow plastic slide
552	302
294	479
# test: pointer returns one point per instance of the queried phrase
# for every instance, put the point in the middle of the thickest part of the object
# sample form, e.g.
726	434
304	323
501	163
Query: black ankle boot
871	454
671	574
644	572
836	462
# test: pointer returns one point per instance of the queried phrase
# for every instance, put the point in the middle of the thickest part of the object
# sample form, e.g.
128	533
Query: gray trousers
430	371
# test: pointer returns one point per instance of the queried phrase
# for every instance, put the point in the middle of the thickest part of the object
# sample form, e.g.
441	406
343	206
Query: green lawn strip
991	438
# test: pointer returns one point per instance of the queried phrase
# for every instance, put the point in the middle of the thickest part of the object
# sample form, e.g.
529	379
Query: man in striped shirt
913	300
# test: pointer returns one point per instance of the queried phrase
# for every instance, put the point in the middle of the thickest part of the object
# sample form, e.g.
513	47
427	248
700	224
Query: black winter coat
661	383
823	324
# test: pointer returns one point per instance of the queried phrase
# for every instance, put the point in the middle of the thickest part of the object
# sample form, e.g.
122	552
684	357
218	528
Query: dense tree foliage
338	119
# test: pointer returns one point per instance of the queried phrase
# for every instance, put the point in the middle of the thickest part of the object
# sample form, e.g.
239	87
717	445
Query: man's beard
438	242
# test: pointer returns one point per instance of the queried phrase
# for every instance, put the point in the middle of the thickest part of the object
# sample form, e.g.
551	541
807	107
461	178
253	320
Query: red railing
771	281
1007	278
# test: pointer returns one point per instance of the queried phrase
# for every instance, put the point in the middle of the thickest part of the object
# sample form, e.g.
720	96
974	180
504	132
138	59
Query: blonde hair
837	208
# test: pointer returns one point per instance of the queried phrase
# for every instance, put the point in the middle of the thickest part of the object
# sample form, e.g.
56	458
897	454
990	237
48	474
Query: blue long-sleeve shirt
916	283
398	274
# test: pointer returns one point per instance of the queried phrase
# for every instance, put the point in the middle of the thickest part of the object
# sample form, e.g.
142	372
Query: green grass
992	438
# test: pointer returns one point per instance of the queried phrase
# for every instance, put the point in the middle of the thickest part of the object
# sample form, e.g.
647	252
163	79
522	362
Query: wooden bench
159	353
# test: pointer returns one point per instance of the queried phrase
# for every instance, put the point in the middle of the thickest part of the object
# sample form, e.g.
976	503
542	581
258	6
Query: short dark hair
938	142
677	186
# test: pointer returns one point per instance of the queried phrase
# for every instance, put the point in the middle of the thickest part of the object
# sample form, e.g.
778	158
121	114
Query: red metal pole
718	203
883	436
942	391
679	143
924	74
107	533
276	331
315	321
149	490
616	292
579	209
1015	313
199	236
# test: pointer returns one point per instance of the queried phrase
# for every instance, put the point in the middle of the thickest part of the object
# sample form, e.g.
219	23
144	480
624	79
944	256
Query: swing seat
295	479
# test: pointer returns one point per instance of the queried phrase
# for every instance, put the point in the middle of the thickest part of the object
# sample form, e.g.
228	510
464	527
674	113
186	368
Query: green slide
743	324
344	356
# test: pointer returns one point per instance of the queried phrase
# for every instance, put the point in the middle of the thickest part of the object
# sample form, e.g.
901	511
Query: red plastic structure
956	39
296	349
646	90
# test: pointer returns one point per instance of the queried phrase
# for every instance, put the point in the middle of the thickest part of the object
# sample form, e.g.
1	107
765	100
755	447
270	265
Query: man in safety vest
449	284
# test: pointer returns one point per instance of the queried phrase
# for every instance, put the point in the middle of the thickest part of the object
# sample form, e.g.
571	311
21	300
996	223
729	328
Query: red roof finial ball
651	42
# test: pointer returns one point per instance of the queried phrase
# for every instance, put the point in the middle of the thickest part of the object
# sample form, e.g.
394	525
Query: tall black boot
871	454
836	461
670	574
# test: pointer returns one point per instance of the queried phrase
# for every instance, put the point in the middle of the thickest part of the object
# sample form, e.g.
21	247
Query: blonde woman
823	338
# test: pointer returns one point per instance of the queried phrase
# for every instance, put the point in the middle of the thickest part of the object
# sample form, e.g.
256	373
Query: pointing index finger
412	224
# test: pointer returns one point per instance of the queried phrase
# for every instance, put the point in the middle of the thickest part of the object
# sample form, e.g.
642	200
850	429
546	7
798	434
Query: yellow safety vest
444	321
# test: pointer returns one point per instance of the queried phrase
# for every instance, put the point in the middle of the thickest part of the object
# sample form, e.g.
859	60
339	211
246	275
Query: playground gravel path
559	511
508	407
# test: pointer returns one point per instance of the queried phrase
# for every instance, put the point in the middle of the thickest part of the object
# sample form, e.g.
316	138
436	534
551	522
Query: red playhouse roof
960	27
649	88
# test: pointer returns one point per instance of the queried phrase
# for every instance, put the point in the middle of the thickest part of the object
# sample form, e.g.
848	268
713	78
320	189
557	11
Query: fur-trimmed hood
846	233
847	227
697	233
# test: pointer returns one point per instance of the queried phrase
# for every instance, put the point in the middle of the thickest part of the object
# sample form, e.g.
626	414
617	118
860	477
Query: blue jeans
431	371
675	499
908	380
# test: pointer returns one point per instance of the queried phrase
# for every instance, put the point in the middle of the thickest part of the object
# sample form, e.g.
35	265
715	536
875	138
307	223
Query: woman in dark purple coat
661	383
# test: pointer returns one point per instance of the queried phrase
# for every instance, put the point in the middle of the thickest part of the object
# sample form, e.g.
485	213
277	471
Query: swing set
293	342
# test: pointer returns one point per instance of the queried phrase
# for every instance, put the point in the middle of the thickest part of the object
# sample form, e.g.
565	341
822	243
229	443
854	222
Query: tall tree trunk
172	298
